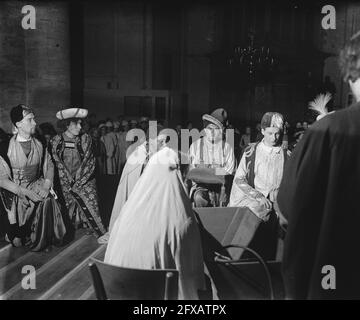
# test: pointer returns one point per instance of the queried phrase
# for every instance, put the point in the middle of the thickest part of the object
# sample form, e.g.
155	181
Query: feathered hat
319	105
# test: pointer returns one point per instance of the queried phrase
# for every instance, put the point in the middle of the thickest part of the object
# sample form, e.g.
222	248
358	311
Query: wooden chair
118	283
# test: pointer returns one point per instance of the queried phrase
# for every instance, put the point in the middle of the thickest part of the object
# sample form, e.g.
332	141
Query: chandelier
254	64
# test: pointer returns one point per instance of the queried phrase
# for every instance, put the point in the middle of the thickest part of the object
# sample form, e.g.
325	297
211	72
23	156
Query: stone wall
34	64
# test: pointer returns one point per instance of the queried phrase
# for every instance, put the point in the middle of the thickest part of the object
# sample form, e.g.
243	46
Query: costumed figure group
153	225
48	193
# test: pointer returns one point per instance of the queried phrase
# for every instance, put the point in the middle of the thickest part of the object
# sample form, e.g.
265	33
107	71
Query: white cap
71	113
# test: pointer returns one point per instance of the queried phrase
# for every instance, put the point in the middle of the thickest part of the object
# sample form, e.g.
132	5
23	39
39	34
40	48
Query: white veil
157	228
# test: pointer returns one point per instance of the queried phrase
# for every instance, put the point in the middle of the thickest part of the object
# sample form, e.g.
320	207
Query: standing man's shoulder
85	135
85	138
331	131
341	123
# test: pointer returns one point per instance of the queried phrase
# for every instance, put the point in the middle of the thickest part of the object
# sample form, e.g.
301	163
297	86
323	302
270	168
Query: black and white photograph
198	151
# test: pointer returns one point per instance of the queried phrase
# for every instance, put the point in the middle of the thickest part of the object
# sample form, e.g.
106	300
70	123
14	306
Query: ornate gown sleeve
4	169
242	183
5	178
87	168
48	167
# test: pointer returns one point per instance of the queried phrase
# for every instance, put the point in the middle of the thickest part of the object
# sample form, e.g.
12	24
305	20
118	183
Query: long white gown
156	228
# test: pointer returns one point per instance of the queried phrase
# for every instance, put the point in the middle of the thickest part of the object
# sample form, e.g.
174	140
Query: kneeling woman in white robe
156	228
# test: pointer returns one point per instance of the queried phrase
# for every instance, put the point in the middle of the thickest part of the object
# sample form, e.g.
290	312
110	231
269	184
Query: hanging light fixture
254	63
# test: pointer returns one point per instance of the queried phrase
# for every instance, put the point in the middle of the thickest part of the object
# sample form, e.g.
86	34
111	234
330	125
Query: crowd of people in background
110	144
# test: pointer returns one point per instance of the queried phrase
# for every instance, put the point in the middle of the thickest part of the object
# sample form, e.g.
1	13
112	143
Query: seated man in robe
211	151
26	178
75	162
258	177
157	229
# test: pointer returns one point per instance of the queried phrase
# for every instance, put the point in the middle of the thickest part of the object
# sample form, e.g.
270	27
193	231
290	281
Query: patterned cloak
79	193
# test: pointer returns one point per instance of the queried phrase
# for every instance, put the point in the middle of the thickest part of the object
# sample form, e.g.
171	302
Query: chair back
118	283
